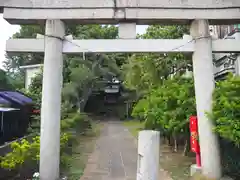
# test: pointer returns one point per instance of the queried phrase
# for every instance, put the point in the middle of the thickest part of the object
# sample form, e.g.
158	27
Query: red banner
194	138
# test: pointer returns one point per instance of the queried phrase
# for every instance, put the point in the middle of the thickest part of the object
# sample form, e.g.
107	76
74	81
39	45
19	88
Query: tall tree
14	61
80	72
5	82
146	70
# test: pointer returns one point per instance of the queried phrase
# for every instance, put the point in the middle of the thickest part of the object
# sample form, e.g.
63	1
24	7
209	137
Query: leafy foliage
168	107
80	73
35	89
145	71
80	78
14	61
5	82
27	151
164	103
165	32
226	117
165	99
226	105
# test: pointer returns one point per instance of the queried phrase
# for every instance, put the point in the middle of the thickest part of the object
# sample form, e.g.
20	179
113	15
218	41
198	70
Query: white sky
8	30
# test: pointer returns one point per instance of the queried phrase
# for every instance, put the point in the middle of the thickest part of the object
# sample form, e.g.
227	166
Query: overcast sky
8	30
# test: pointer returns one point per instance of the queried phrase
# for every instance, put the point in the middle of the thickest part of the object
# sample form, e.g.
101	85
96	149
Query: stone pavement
115	155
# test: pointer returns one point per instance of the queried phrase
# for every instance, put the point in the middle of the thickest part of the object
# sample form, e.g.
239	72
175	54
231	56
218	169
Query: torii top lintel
115	11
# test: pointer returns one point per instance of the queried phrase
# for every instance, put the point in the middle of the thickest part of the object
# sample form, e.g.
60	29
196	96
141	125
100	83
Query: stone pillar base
195	169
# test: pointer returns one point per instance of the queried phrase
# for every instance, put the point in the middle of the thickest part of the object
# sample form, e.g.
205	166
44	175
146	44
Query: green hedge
226	109
230	158
77	122
26	152
226	116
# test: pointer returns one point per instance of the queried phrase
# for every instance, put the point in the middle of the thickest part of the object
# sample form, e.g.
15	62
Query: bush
28	151
139	109
230	158
79	122
168	107
226	116
34	127
83	123
226	109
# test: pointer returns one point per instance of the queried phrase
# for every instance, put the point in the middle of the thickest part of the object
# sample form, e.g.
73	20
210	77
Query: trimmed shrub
226	116
26	152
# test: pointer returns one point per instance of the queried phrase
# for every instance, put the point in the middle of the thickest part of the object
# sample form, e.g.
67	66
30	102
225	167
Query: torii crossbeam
122	45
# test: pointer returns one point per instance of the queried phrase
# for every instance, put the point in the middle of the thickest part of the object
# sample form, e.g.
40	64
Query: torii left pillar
51	100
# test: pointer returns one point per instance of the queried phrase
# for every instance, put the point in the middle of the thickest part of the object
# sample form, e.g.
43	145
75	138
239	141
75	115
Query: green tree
164	103
81	72
5	82
168	107
14	61
147	70
226	104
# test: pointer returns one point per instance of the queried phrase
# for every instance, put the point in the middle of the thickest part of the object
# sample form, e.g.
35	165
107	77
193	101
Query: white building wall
222	68
237	62
30	72
214	31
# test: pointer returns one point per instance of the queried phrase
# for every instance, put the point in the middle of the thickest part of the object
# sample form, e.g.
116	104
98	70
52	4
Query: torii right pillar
204	85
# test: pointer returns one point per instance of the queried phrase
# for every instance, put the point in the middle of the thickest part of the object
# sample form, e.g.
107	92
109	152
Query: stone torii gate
56	13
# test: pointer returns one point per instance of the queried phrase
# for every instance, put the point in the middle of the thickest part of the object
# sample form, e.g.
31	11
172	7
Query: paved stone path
115	155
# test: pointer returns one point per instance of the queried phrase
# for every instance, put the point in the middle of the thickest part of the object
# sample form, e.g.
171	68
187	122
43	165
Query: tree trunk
169	140
165	140
185	150
175	144
79	104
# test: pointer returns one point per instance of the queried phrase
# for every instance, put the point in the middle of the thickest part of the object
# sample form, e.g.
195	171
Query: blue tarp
6	109
4	101
16	97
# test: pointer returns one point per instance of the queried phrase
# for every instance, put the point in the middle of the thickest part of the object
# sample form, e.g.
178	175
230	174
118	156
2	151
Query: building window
237	26
226	65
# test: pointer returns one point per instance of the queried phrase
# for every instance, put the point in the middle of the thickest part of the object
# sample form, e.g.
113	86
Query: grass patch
83	147
175	164
134	126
